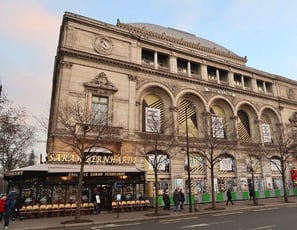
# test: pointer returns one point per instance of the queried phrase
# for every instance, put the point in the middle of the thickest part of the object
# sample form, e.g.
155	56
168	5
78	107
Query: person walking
252	193
2	205
8	208
182	199
166	200
229	196
176	200
97	202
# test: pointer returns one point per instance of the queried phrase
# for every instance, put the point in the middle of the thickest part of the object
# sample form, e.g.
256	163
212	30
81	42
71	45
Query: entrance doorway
105	191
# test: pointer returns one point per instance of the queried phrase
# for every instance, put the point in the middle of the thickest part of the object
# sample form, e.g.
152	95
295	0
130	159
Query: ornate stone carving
103	45
101	82
290	93
132	77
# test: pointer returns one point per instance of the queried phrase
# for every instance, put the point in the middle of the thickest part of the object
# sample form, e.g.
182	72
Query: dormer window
260	86
182	66
147	57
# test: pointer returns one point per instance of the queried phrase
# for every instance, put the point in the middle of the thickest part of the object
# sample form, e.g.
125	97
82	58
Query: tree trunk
156	193
213	200
284	186
79	191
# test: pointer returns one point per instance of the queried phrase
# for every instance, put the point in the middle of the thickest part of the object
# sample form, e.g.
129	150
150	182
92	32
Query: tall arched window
244	130
153	113
187	110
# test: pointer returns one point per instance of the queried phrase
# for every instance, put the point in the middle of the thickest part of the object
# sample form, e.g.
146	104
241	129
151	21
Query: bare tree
159	140
282	149
16	136
81	131
214	145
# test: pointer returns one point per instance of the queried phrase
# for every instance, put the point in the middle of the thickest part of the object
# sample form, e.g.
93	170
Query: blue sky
263	30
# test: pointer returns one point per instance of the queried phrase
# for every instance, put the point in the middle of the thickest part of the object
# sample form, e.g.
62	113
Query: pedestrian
176	200
18	205
2	205
229	196
166	200
182	199
97	203
252	194
8	208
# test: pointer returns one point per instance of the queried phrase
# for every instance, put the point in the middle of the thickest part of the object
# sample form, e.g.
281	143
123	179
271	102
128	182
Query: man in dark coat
166	200
229	196
176	200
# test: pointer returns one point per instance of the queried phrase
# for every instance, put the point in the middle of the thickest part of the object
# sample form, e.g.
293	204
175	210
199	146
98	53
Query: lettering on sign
94	160
219	91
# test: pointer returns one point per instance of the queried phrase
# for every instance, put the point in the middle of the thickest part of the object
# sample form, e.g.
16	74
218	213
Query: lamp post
188	160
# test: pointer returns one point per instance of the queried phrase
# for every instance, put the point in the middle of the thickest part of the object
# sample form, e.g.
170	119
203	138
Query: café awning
68	168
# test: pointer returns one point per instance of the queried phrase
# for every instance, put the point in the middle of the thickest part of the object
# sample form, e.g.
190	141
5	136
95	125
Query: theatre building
133	72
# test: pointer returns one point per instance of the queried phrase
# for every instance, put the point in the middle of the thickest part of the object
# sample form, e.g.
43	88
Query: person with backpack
8	208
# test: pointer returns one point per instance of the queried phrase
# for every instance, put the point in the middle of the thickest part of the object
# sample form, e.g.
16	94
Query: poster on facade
226	164
179	183
243	184
152	120
217	127
266	133
268	182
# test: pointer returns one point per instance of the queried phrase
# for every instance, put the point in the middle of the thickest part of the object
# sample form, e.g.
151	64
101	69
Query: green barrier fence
220	197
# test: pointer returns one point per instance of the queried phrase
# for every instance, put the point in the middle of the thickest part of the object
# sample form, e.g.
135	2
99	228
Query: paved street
132	218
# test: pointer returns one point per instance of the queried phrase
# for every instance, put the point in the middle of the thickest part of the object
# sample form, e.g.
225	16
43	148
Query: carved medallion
290	93
103	45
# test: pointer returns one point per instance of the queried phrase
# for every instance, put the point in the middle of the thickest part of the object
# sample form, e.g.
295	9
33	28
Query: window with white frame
99	109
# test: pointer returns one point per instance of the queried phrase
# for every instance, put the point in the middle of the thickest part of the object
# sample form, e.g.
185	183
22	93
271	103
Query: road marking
113	225
265	209
264	227
177	220
227	213
202	224
195	225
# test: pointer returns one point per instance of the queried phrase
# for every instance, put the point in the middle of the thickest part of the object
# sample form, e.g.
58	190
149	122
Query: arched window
153	113
227	164
187	110
253	164
159	160
275	164
197	164
244	130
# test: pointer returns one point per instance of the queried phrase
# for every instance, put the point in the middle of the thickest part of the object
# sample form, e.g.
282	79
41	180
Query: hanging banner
217	127
266	133
152	120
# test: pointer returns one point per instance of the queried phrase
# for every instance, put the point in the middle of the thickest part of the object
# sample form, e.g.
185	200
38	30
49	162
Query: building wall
89	48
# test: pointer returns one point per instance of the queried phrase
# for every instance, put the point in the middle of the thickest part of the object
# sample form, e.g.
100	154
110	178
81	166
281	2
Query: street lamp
188	156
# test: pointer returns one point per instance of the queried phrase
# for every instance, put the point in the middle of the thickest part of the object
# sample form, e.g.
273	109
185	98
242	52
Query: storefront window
44	194
71	195
59	194
29	195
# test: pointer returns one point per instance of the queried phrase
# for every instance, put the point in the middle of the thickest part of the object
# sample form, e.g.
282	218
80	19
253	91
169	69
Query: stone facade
138	66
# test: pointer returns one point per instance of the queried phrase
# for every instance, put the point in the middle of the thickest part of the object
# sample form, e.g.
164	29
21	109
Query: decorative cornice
166	38
139	68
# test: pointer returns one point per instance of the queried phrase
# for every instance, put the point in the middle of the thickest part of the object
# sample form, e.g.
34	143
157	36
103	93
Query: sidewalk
107	217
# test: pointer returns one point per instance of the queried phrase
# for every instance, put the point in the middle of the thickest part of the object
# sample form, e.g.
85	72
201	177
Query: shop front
57	183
